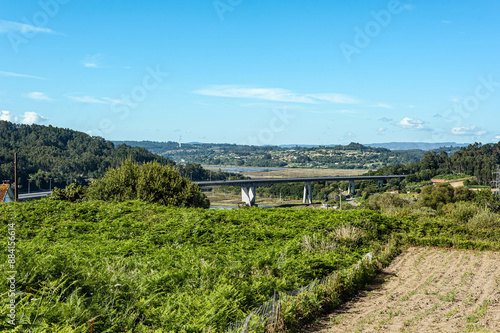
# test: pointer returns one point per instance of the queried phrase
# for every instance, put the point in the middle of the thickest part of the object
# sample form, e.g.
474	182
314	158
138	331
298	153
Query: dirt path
426	290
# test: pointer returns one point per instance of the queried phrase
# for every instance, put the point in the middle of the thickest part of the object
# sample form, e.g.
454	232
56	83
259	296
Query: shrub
437	196
150	182
463	194
485	220
461	211
385	201
72	192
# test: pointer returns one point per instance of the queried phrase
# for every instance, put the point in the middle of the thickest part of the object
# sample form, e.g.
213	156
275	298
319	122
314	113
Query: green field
102	265
132	266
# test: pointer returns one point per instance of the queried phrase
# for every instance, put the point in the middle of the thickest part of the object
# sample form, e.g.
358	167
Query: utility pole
16	194
340	198
496	181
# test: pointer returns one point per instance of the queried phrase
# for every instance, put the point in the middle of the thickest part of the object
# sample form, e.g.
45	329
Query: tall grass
116	266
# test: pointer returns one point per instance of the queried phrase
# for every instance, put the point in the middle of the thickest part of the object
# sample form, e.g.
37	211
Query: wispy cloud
27	118
385	119
11	74
88	99
382	105
39	96
345	111
11	26
412	124
468	131
274	94
445	21
97	100
92	61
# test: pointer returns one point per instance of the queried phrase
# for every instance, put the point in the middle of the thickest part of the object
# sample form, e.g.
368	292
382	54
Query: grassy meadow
136	267
111	267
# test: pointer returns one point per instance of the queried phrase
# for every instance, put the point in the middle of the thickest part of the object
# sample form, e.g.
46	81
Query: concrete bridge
248	185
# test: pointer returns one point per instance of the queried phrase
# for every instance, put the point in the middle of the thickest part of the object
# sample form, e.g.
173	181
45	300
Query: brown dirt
303	172
426	290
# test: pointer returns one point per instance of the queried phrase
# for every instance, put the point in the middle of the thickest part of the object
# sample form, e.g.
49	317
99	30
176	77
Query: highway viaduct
248	185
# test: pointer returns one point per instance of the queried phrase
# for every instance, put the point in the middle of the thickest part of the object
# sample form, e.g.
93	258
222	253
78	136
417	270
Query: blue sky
254	72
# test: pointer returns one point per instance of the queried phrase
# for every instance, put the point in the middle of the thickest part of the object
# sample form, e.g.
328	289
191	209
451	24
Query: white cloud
10	27
39	96
92	61
445	21
114	101
334	98
411	106
468	131
408	7
27	118
8	116
411	124
88	99
381	129
383	105
497	137
97	100
274	94
30	118
11	74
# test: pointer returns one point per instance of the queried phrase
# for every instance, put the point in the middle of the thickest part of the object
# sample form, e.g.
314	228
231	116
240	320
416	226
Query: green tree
72	192
151	182
436	196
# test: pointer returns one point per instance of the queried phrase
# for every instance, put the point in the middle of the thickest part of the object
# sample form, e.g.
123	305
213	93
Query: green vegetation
477	160
100	265
150	182
351	156
116	266
52	156
61	156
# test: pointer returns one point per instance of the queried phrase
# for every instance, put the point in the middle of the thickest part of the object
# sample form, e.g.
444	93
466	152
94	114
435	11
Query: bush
461	211
72	192
385	201
436	196
485	220
463	193
150	182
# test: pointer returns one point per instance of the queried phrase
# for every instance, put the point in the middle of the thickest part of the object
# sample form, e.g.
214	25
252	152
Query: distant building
6	193
434	181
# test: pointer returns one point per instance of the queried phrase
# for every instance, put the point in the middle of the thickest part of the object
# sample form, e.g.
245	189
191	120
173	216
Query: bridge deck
268	181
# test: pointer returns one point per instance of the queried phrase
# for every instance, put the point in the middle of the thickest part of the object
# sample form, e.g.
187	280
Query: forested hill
351	156
63	155
475	160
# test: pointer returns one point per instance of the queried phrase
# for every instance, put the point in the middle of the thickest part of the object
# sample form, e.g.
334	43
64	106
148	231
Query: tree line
52	156
476	160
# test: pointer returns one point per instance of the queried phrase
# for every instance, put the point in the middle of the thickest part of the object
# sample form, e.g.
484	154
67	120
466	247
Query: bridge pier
351	189
248	195
307	193
380	183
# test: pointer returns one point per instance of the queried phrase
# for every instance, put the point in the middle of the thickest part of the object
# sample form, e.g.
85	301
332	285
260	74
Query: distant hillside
475	160
60	156
351	156
416	145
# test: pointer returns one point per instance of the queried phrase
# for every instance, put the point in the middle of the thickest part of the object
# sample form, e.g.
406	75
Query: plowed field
426	290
